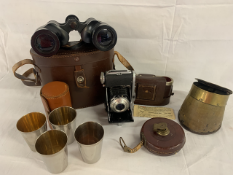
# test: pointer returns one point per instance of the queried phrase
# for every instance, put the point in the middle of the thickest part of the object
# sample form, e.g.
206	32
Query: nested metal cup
64	118
31	126
52	146
89	136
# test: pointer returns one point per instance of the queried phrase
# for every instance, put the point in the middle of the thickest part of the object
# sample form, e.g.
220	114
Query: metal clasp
37	80
80	79
161	129
125	147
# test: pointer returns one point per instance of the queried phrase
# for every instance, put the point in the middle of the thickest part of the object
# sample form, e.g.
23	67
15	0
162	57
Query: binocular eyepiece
47	39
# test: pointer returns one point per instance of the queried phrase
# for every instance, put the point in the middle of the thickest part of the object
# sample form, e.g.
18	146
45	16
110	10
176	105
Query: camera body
48	38
120	94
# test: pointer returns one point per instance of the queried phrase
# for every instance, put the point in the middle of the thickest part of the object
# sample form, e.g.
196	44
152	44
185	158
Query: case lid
54	89
83	54
162	136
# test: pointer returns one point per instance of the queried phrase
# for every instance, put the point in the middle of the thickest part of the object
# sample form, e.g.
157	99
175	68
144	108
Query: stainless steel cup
31	126
51	145
89	136
64	118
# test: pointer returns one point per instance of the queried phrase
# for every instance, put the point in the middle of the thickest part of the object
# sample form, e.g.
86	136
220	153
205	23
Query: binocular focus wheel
71	17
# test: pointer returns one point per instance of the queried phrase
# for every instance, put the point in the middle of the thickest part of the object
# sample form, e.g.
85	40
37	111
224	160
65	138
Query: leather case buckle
80	78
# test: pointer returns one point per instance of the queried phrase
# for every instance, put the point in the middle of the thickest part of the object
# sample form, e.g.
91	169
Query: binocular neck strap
122	60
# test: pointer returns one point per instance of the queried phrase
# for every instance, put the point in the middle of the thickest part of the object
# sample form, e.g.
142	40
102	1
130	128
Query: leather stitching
70	55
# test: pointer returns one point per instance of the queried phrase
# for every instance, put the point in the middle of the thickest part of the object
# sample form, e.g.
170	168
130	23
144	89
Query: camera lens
119	104
104	37
120	107
45	43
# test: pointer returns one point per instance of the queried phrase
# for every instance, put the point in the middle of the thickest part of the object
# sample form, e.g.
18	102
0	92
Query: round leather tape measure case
160	136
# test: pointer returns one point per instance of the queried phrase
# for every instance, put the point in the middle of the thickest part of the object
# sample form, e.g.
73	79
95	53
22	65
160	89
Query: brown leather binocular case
80	70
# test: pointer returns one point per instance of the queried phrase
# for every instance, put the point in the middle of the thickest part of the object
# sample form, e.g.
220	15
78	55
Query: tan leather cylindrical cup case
57	94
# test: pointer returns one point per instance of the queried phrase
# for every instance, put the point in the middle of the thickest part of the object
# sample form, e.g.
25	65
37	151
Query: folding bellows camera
120	94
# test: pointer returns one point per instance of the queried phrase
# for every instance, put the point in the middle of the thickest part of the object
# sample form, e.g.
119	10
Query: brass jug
203	109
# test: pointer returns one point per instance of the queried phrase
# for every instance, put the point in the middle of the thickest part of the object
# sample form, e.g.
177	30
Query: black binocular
47	39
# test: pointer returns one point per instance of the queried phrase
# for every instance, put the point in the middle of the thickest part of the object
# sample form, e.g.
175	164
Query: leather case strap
122	60
24	77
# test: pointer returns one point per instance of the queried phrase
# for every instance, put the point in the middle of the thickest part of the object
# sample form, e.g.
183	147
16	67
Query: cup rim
65	124
34	130
94	143
50	131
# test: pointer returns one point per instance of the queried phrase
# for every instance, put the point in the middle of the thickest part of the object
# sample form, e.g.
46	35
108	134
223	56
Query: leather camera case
153	90
80	69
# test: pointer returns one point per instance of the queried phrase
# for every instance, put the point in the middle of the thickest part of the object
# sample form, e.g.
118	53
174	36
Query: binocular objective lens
120	107
45	43
104	37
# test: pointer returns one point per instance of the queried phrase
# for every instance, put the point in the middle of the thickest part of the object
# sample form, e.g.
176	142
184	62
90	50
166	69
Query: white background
183	39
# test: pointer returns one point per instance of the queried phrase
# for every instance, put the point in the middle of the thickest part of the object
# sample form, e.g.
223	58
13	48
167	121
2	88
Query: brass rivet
76	59
80	79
